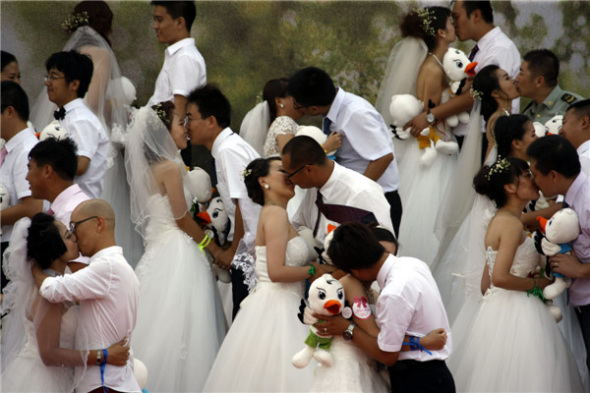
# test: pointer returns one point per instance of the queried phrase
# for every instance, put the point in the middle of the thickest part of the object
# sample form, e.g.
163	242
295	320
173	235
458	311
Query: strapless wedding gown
514	344
27	373
180	323
266	333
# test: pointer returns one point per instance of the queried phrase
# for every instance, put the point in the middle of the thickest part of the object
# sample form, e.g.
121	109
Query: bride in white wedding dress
180	322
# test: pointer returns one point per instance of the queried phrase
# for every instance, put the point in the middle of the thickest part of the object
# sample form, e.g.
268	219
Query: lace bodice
282	125
526	259
298	254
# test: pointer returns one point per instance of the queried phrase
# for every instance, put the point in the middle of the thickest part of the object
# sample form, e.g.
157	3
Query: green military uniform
556	103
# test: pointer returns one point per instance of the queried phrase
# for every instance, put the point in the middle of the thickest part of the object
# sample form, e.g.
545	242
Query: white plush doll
326	297
198	183
540	129
217	226
140	372
53	130
457	66
553	125
561	229
315	133
403	108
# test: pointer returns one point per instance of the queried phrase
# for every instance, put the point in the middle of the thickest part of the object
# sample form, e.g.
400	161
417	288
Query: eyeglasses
52	77
290	175
74	224
187	120
528	174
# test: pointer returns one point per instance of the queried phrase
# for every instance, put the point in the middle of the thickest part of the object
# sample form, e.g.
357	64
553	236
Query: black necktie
471	57
60	114
473	52
326	126
341	213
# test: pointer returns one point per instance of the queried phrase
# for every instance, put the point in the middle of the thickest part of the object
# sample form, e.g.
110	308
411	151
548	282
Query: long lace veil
255	126
401	73
149	144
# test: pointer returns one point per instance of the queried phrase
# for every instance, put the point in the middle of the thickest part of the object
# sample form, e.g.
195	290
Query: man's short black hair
543	62
176	9
354	246
304	150
554	153
487	13
312	86
211	102
581	108
61	155
13	95
75	66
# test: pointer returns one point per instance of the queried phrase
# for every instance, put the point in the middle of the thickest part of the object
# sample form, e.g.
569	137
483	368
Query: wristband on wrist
415	345
204	242
536	291
311	271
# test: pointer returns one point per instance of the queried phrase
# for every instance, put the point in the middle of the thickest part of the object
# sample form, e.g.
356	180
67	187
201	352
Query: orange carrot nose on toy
204	216
542	222
470	69
333	306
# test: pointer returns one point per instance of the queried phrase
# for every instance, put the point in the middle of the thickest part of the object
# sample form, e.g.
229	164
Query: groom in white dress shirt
576	129
108	292
67	81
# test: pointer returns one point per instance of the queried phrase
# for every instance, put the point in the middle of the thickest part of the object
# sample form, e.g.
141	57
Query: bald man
107	291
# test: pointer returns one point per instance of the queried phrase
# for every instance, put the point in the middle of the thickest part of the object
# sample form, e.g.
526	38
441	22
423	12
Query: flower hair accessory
74	21
500	166
161	114
476	94
246	172
427	17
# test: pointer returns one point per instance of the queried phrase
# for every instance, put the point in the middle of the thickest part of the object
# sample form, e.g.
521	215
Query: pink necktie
3	155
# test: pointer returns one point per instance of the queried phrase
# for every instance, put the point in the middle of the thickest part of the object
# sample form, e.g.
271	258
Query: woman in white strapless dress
514	344
257	351
38	337
180	322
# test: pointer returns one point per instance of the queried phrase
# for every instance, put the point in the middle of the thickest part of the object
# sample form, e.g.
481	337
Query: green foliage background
246	43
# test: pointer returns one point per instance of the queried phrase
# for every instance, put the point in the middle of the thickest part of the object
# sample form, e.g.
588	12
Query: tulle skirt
180	322
513	346
421	191
27	373
353	371
257	351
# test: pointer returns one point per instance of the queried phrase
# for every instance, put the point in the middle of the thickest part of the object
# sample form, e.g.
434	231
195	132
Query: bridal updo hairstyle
44	243
272	89
423	23
258	168
508	129
100	16
490	180
165	111
486	82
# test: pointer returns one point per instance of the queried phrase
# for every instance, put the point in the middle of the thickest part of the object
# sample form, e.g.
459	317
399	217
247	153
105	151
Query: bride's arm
48	330
171	180
275	226
510	238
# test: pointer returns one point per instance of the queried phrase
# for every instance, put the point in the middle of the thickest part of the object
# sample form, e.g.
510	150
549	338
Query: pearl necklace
437	60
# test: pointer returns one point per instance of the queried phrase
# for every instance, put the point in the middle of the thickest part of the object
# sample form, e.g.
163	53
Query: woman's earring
282	106
266	186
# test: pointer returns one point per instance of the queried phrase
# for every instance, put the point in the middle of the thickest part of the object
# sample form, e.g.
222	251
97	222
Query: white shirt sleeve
21	185
92	282
394	314
86	136
366	136
185	75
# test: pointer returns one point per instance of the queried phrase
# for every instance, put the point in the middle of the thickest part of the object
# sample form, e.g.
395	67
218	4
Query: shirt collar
64	196
384	271
331	182
16	140
107	251
584	147
172	49
572	192
488	38
553	97
336	103
73	104
223	135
